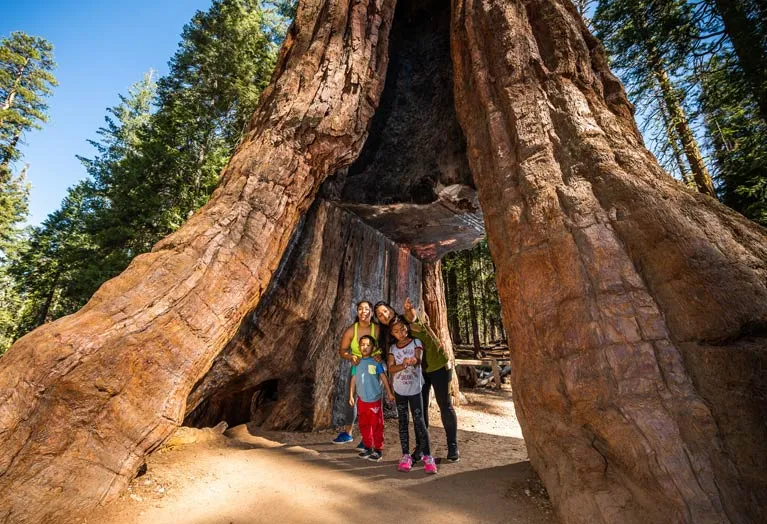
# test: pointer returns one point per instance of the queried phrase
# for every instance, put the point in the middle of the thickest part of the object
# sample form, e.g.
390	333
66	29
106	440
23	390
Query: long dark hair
372	310
384	337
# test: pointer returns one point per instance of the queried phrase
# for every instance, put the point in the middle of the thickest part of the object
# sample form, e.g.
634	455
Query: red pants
371	422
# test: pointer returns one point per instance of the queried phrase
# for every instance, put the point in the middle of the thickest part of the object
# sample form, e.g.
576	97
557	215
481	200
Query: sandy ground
252	476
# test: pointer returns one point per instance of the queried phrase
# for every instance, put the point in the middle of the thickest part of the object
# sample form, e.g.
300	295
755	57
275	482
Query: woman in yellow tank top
349	349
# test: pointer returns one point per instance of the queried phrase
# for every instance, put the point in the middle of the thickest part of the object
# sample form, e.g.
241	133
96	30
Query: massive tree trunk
95	391
636	310
292	336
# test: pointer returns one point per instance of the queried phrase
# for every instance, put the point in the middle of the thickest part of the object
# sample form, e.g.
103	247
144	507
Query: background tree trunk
627	299
436	311
468	261
118	372
681	124
746	43
452	305
674	142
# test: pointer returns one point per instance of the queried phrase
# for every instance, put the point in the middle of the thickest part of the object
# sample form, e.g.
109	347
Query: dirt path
251	476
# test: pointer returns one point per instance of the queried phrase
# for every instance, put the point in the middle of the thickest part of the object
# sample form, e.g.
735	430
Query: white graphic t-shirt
409	381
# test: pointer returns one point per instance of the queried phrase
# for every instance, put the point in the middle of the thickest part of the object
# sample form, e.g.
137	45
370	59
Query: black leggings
441	379
421	433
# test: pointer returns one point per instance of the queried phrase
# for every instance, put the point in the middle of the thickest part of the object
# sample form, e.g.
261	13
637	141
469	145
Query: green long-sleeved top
434	357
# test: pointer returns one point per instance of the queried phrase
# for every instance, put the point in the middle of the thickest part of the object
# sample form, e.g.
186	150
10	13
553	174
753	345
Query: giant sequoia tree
635	308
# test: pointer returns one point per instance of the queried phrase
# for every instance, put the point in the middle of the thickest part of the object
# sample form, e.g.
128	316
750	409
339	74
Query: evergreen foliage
650	42
738	138
157	160
713	75
26	79
473	269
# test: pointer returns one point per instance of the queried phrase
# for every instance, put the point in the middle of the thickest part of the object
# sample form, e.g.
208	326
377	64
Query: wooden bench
493	363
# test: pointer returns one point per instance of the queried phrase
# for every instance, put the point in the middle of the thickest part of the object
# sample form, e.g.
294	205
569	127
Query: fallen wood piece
496	373
483	362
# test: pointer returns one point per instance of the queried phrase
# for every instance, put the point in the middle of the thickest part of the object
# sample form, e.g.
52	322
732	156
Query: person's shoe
405	463
375	456
361	445
365	453
416	456
428	464
343	438
452	453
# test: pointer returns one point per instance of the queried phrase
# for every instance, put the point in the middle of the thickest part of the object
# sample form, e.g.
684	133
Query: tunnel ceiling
412	181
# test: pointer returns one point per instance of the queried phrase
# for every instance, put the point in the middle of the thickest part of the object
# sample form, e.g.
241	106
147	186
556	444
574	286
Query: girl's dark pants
415	402
441	379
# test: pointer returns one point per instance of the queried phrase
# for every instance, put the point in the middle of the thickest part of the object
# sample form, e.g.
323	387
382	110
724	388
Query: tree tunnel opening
407	201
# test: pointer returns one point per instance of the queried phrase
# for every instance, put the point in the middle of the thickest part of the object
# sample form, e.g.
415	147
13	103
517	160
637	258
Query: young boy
367	382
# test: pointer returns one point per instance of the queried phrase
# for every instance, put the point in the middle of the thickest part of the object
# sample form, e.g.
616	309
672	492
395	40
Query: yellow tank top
355	345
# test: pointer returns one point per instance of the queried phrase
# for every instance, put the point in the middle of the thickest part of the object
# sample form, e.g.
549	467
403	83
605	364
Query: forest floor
248	475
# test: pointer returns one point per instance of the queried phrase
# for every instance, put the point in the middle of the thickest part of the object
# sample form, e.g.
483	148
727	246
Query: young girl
405	367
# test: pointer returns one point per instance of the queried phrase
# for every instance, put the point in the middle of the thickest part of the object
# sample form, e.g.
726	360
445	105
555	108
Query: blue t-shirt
369	387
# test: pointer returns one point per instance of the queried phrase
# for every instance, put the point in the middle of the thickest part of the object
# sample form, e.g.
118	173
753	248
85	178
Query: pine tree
26	63
223	63
152	170
116	173
745	25
26	79
650	41
738	137
14	195
48	269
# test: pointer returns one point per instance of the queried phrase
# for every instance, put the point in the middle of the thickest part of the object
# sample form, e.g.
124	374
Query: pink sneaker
428	464
405	463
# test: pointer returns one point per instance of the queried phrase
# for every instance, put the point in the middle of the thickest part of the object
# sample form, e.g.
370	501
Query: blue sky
101	47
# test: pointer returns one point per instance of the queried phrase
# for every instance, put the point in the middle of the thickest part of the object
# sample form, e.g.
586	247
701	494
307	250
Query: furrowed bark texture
293	334
636	310
118	372
436	311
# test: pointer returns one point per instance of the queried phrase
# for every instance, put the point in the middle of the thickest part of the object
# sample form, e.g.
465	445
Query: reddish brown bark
616	282
636	309
292	336
436	312
118	372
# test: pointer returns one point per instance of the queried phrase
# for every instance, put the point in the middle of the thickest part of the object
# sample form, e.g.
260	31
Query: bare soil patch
249	475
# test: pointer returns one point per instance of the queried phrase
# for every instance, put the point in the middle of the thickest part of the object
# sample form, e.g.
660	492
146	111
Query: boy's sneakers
343	438
365	453
452	453
405	463
361	445
428	464
375	456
